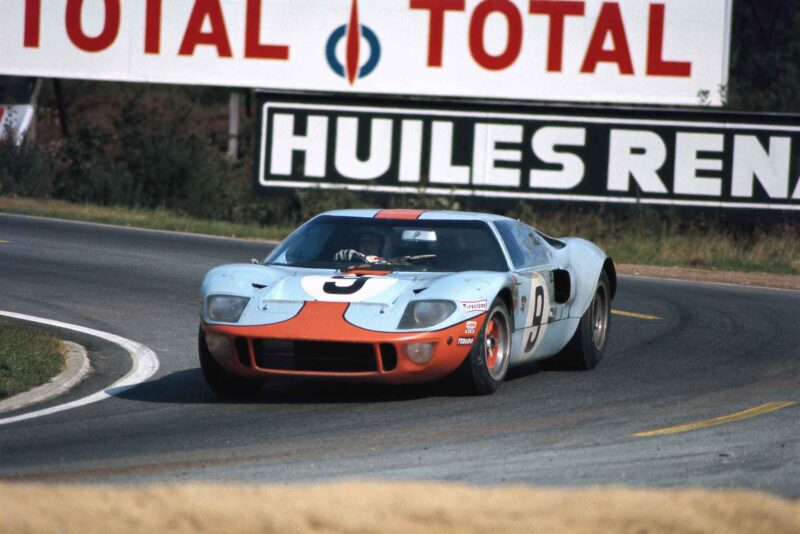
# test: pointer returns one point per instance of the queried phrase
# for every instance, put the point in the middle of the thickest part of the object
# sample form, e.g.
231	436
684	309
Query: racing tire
585	350
486	366
220	380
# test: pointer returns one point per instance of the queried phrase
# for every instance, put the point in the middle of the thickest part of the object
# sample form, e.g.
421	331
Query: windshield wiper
382	264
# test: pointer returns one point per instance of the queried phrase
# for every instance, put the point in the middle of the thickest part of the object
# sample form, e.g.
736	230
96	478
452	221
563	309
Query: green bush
24	170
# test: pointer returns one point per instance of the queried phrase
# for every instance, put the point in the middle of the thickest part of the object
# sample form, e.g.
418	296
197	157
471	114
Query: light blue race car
401	296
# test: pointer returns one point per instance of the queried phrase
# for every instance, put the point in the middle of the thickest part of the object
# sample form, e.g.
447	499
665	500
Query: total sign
636	51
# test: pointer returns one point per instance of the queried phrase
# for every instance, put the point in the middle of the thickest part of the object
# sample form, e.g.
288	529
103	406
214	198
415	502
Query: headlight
225	308
426	313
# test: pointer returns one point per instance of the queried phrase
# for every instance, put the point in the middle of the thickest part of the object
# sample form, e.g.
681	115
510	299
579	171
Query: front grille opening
286	355
388	356
242	351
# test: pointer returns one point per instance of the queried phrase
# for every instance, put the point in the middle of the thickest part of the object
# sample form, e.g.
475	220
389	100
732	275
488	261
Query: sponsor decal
470	326
352	32
474	305
700	159
465	340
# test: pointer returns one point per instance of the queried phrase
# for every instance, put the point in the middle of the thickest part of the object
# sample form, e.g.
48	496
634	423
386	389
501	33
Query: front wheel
487	364
220	380
585	350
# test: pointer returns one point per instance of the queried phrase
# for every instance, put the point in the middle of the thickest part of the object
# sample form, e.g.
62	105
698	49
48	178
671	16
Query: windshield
334	242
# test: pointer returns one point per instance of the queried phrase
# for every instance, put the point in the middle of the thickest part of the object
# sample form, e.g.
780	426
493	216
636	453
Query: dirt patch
780	281
387	507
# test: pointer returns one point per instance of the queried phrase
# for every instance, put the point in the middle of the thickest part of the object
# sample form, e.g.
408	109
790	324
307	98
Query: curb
76	368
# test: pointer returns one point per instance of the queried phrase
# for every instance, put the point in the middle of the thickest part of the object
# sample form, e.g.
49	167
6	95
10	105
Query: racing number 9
538	313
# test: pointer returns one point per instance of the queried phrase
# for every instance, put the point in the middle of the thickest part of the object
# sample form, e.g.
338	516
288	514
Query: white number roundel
345	288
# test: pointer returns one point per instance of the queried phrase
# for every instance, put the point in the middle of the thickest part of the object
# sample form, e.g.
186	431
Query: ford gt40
401	296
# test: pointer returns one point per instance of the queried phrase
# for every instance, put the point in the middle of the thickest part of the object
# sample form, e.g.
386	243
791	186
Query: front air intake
321	356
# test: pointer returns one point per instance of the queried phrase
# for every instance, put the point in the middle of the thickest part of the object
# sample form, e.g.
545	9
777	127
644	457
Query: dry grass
652	240
387	507
645	240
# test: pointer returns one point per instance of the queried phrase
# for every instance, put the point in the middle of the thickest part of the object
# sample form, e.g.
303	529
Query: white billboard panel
629	51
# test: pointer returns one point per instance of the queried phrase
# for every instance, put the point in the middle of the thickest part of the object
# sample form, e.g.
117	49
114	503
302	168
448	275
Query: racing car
402	296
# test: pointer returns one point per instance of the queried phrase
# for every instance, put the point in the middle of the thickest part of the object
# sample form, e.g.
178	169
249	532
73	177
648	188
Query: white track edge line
145	364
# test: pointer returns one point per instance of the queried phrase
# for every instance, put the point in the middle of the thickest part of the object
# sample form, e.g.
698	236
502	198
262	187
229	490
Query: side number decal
538	313
536	318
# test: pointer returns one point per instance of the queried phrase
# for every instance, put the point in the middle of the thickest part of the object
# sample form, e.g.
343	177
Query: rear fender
584	261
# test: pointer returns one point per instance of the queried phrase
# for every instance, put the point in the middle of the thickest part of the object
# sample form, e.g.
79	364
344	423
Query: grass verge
158	219
652	238
646	239
28	357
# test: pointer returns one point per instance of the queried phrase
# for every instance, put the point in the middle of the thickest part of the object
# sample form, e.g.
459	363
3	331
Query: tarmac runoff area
387	507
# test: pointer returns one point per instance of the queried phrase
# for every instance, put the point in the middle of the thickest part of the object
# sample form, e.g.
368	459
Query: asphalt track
714	350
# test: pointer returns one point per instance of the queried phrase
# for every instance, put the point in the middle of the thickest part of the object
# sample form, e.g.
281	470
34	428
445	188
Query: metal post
233	127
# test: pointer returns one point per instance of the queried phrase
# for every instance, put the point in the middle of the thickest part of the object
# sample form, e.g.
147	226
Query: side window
524	245
540	254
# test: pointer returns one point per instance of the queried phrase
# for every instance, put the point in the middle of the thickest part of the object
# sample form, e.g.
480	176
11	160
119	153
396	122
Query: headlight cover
225	308
426	313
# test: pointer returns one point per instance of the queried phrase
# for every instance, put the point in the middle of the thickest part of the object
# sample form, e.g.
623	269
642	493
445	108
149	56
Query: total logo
352	32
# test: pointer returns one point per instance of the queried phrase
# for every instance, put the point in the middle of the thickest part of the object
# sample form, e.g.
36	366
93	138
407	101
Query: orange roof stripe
399	214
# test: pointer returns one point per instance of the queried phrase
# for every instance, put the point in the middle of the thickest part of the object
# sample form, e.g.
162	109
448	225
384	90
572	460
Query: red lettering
557	11
253	49
106	37
437	9
152	27
477	26
33	23
609	22
217	36
656	64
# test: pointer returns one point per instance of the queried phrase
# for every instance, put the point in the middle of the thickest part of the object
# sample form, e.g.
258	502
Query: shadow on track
189	387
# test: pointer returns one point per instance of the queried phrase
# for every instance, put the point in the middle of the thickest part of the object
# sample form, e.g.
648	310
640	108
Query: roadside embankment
645	239
387	507
753	279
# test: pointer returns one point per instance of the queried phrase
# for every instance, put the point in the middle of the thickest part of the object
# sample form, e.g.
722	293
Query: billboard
626	51
708	159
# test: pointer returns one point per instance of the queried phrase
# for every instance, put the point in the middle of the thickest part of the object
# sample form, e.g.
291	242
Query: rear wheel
220	380
585	349
487	364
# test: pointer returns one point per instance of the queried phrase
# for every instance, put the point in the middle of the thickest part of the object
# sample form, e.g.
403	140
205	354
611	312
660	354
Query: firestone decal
474	305
345	288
